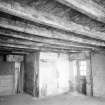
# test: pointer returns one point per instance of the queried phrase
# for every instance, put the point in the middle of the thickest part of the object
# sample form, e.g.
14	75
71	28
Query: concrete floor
65	99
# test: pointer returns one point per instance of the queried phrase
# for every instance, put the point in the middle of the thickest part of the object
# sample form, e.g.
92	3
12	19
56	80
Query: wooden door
31	71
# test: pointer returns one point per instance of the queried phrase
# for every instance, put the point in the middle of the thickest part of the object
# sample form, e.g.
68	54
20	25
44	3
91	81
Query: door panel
29	74
31	70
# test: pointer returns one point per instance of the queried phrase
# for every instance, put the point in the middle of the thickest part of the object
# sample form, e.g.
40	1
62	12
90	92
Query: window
83	68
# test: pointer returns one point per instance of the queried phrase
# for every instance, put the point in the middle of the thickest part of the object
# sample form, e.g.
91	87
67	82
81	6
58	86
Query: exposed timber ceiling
92	8
58	25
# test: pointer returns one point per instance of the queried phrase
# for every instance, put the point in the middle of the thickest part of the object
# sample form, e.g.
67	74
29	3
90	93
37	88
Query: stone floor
65	99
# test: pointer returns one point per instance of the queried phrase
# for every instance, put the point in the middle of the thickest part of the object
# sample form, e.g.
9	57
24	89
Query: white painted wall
98	70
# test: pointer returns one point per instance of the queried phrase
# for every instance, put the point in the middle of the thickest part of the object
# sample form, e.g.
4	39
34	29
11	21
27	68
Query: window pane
83	63
83	68
83	73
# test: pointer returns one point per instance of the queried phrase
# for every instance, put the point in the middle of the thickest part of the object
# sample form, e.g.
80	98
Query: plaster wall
7	82
98	73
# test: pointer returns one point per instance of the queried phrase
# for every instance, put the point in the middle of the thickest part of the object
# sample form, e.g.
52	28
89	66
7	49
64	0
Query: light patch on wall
17	72
53	73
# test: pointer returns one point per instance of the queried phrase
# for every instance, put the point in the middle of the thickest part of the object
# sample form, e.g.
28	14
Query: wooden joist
41	48
43	42
50	40
34	32
87	7
16	9
13	48
41	45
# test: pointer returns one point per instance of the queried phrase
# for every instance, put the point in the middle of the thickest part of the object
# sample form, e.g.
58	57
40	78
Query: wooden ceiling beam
10	34
23	43
87	7
43	41
16	9
25	48
30	44
29	31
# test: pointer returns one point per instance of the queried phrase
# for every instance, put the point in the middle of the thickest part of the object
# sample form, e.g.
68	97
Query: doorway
82	68
10	75
53	73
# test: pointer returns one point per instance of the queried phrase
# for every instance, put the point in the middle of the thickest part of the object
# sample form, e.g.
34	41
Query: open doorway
82	73
82	70
53	73
10	75
18	75
84	76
